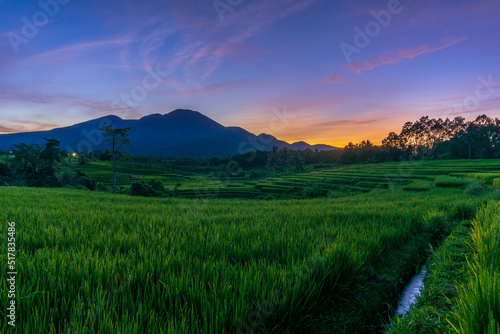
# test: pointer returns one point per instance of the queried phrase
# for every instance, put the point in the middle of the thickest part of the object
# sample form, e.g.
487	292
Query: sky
321	71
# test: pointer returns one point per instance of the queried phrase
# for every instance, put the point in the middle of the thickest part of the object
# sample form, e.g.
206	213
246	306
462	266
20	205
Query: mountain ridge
179	133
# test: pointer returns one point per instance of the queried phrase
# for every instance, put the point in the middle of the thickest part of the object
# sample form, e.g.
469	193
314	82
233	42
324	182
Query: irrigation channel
410	293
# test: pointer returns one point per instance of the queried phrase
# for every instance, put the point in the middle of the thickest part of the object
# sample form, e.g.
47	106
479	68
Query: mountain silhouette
180	133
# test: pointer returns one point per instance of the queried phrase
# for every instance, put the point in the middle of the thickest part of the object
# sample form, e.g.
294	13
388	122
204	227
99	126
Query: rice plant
478	308
98	262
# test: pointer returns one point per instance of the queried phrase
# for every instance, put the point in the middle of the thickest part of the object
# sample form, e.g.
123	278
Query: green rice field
97	262
335	182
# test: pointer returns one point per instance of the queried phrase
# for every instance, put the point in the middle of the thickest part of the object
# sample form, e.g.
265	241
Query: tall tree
273	159
469	136
117	140
51	152
26	163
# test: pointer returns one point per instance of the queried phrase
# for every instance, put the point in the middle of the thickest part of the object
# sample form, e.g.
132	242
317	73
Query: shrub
65	179
4	170
101	187
77	180
139	188
157	186
5	174
81	187
86	182
153	188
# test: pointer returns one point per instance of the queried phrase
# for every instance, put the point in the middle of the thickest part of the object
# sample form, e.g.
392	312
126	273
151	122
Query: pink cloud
26	126
334	79
395	56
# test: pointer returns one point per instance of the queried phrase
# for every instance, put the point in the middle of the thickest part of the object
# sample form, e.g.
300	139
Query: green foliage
313	191
464	210
51	153
256	175
418	186
413	176
478	308
124	264
5	174
153	188
35	166
203	265
496	182
475	188
86	182
437	223
450	181
117	139
446	274
78	180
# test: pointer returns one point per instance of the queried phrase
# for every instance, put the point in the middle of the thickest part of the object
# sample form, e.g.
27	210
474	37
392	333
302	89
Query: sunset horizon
344	72
269	130
250	166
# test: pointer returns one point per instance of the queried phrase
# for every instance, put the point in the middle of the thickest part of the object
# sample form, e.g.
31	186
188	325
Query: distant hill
180	133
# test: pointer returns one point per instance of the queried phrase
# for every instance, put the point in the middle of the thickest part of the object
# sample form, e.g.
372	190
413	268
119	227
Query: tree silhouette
117	139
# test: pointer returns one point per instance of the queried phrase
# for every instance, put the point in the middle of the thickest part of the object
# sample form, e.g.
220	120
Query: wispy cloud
351	122
334	79
4	129
395	56
212	43
16	126
330	79
222	87
65	52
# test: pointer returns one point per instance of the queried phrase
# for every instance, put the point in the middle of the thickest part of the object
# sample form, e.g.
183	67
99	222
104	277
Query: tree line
35	166
424	139
429	138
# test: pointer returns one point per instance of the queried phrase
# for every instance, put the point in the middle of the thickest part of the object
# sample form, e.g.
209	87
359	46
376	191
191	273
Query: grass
337	182
462	288
478	307
170	265
486	177
496	182
446	273
450	181
418	185
218	260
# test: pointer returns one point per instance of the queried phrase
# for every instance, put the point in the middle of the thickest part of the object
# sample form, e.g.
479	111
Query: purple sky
330	70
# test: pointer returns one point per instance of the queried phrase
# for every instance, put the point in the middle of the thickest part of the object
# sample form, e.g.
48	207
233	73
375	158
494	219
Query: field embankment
462	288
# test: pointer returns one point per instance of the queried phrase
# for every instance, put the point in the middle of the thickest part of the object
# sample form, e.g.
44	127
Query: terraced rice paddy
335	182
99	262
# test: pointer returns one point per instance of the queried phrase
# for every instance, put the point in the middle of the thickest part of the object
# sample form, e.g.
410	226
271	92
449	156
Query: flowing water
411	292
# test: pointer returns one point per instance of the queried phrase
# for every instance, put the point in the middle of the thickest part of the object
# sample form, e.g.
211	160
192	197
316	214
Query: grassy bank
462	287
478	306
446	273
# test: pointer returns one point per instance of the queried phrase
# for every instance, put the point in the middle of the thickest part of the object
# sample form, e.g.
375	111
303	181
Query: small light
74	154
